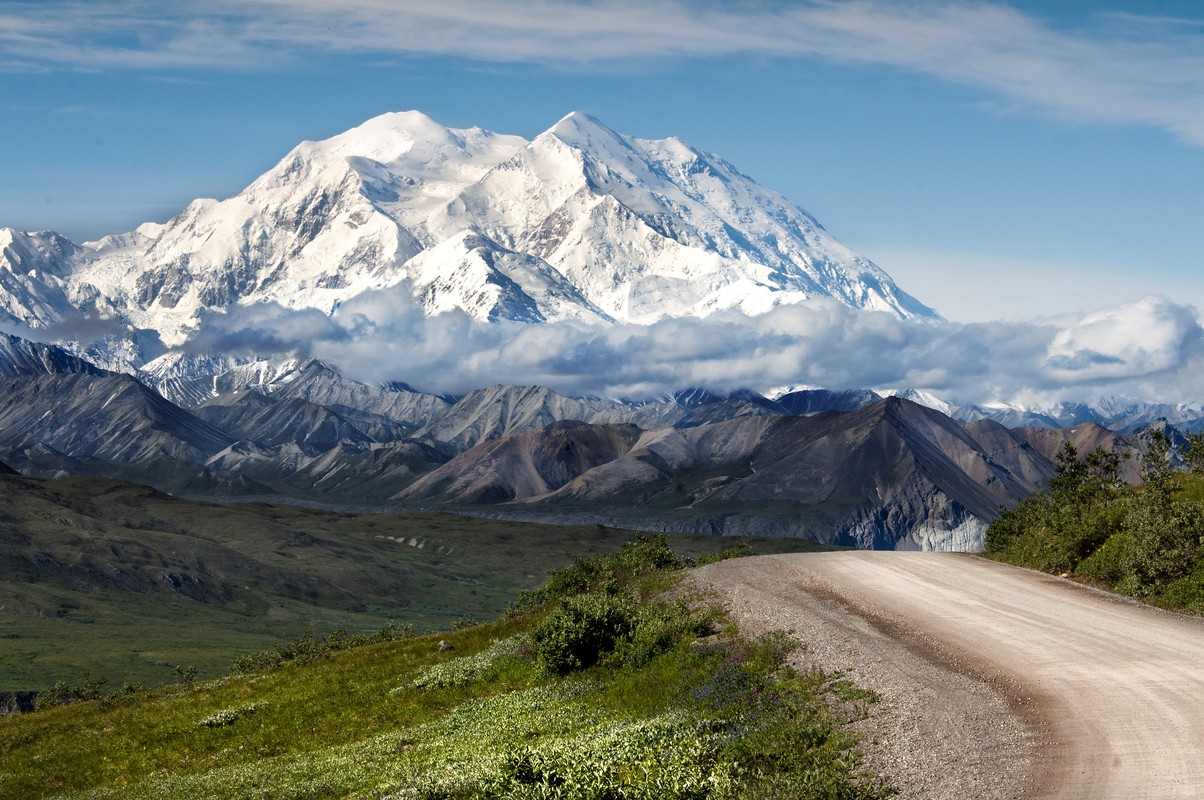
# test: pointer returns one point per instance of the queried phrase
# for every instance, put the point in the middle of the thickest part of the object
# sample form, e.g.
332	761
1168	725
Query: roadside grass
677	705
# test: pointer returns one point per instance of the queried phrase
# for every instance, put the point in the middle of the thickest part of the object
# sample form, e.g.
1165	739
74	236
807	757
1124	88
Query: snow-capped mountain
1115	413
580	223
32	289
647	229
1118	414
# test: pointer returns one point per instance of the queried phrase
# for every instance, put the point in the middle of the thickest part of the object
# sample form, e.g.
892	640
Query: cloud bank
1152	349
1112	68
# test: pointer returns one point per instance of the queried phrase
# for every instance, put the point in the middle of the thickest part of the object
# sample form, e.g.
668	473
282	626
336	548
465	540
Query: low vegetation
102	575
1146	541
607	682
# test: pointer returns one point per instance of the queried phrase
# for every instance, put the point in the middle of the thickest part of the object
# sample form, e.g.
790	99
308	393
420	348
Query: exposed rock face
526	464
895	475
23	357
272	421
500	411
817	401
107	417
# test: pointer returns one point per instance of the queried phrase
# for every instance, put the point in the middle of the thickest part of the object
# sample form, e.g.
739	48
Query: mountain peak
385	138
579	120
585	132
25	357
412	125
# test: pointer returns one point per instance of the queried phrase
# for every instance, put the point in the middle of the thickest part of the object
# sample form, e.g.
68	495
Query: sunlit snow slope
581	223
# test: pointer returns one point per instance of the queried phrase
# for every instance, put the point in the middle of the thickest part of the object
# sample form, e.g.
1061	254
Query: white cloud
1152	349
1139	339
1115	68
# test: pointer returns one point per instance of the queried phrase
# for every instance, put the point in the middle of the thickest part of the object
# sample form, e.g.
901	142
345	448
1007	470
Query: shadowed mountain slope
111	417
526	464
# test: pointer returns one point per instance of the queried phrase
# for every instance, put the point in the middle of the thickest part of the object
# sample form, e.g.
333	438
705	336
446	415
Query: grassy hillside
1146	541
604	684
130	584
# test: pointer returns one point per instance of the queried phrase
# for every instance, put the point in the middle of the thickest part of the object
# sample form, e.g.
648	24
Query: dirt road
995	682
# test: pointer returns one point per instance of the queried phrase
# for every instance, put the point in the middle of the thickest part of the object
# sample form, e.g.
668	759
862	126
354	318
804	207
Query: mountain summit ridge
580	223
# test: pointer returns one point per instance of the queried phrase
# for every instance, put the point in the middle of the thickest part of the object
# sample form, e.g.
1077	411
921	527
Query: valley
126	583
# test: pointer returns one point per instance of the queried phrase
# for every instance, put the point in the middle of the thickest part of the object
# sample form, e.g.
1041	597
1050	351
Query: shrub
1187	592
1145	541
642	555
305	649
581	630
1164	543
127	691
738	550
1194	452
657	628
62	693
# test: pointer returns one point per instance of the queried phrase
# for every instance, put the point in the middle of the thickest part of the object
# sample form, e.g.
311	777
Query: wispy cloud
1113	68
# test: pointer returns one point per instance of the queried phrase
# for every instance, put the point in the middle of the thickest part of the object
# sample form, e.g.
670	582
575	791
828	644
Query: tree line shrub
1145	541
306	649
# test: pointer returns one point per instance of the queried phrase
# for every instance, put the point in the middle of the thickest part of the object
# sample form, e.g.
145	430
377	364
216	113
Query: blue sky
999	160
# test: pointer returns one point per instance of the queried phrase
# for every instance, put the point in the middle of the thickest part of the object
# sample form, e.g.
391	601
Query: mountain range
850	468
580	225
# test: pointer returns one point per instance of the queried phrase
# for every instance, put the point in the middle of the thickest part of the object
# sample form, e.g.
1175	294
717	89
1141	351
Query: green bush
739	550
1145	541
1187	592
581	630
1164	542
62	693
1194	453
657	628
305	649
645	554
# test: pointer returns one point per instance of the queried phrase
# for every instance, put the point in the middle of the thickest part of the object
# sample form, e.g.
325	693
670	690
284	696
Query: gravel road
995	682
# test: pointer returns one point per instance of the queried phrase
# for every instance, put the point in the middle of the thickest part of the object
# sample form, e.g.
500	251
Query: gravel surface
994	682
